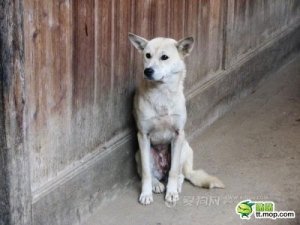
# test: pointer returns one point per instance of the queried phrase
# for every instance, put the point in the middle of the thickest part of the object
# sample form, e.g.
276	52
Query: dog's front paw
172	197
180	182
145	198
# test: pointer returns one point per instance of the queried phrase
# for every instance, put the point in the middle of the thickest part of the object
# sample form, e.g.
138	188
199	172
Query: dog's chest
162	116
163	107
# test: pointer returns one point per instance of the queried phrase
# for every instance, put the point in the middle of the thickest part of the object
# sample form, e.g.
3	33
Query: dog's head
163	57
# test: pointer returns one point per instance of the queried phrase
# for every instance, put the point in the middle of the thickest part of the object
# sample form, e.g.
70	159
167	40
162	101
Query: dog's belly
161	137
161	160
163	131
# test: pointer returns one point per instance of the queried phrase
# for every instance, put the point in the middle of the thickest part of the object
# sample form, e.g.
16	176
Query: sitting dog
160	114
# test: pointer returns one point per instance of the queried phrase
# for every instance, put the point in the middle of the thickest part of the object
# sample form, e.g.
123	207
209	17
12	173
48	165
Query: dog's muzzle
149	73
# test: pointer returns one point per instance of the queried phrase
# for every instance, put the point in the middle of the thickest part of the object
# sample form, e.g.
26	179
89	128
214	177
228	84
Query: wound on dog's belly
162	159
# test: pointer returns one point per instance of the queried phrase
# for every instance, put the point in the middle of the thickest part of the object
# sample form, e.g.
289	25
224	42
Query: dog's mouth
148	78
161	80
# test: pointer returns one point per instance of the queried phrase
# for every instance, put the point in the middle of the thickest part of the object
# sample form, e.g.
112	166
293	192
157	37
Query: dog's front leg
144	144
176	148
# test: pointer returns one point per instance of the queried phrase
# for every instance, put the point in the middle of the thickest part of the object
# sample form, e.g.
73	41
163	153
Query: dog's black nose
149	72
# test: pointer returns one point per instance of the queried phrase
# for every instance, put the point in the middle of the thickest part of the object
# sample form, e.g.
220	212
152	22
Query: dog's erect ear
185	46
137	41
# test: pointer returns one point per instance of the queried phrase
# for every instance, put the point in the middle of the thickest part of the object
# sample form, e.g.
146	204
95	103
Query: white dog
160	113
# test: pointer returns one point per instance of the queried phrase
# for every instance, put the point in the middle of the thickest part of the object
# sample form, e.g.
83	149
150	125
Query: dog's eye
164	57
148	56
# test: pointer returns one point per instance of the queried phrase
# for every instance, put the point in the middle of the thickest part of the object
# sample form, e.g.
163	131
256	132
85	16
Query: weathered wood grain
15	192
49	86
250	23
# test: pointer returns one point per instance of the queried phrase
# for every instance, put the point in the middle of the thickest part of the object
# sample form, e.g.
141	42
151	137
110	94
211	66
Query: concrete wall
79	76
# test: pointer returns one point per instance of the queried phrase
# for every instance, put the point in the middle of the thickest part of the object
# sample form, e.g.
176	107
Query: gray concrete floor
254	149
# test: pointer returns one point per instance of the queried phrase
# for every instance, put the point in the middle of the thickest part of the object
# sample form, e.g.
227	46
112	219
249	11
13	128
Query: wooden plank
123	83
15	192
104	69
141	26
176	25
209	37
191	18
159	18
48	85
103	61
83	53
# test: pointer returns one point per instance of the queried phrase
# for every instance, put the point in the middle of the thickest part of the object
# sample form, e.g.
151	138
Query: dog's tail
202	179
199	177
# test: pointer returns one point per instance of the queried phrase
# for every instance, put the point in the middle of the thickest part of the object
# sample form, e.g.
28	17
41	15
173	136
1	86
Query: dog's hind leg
157	186
198	177
176	150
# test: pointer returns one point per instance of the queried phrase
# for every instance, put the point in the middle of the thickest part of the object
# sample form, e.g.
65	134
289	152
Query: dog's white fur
160	113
